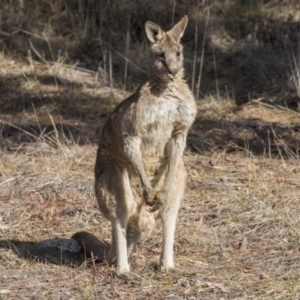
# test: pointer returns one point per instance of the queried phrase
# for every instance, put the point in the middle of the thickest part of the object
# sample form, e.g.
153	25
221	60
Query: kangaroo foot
128	276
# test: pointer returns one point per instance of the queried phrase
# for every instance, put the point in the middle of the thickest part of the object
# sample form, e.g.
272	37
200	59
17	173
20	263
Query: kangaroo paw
154	207
128	276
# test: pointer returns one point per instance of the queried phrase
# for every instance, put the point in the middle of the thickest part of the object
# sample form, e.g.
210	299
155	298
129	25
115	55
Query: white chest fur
159	118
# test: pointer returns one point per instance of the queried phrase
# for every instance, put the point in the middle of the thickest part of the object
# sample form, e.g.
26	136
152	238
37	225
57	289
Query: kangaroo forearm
176	149
146	185
133	154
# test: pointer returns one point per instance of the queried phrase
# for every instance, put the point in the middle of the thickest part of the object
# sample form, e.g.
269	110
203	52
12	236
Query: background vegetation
249	46
65	64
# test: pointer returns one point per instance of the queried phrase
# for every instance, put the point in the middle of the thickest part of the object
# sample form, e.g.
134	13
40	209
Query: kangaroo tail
91	245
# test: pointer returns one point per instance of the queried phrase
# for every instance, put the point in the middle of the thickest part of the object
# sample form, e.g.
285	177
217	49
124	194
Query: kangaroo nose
172	72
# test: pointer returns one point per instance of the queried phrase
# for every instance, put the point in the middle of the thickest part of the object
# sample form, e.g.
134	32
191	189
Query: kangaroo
139	170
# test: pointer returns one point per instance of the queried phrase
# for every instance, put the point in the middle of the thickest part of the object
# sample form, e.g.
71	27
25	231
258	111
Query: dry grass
246	48
238	227
238	233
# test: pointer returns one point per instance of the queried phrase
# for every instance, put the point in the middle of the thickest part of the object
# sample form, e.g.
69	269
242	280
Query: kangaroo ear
178	30
153	32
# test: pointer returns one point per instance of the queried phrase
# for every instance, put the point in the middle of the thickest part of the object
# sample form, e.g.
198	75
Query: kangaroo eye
178	54
161	55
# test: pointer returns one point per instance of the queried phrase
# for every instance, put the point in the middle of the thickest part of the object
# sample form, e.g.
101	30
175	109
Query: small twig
269	144
110	70
37	53
253	101
173	12
126	61
93	260
243	243
202	55
9	34
216	76
196	47
276	106
137	67
14	126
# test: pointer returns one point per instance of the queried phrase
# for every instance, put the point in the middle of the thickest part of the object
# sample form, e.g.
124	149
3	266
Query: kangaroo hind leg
114	196
168	213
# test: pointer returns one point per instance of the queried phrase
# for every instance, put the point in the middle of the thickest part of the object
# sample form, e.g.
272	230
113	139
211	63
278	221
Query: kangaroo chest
161	118
161	114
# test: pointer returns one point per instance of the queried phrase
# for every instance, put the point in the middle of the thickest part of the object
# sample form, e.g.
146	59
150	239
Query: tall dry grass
241	44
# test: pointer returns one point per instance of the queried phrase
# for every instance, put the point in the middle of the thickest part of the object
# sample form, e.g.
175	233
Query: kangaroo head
166	50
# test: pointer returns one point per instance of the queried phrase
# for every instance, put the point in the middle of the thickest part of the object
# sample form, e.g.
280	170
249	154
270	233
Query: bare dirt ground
238	230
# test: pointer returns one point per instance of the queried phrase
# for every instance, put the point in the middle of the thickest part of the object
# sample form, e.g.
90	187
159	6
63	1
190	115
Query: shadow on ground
254	135
73	115
54	251
53	107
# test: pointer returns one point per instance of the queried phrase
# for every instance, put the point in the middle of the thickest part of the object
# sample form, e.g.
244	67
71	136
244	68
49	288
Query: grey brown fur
139	171
91	245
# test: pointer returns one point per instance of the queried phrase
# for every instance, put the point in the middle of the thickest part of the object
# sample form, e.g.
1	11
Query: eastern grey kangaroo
139	171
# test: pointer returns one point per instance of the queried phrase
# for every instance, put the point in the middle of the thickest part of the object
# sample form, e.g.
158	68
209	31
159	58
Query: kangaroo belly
155	139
